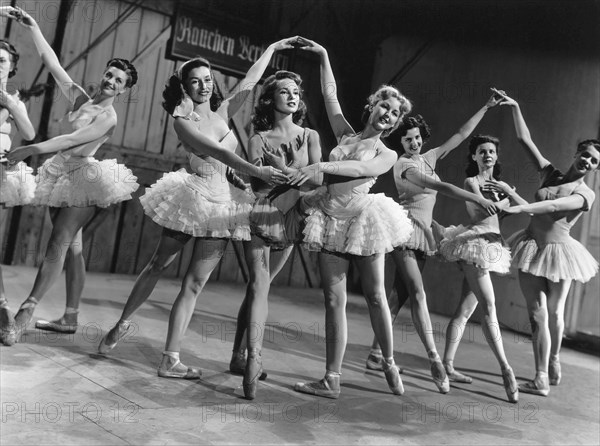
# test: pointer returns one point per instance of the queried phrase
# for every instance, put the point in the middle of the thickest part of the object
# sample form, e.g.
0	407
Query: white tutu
17	184
421	239
83	181
179	201
362	225
477	246
565	260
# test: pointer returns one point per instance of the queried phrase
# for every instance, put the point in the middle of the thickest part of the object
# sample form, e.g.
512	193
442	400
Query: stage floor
55	389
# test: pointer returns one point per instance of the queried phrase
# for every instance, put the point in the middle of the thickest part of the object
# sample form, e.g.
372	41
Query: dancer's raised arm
466	129
338	122
69	88
523	134
233	104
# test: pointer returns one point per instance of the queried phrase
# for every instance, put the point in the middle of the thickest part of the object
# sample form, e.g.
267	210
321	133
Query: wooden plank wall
144	140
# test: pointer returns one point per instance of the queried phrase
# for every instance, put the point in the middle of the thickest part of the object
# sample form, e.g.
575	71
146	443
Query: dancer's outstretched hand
18	14
504	98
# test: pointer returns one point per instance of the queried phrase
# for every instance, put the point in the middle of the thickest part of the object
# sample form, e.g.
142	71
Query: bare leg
206	256
557	297
455	331
74	283
334	270
66	224
166	251
481	284
535	289
372	273
410	268
253	311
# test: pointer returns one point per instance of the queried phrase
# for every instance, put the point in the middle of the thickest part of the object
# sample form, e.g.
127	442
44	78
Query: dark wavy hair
410	122
174	90
127	67
264	112
588	142
14	55
381	94
471	168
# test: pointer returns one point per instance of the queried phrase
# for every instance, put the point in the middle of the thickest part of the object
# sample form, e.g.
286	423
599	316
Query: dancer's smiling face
199	84
485	155
586	159
412	141
385	114
286	98
114	81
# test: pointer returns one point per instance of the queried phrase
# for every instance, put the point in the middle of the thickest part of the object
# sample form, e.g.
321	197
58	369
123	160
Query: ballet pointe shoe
456	376
23	317
510	385
58	326
375	362
237	365
252	373
392	376
171	367
115	334
554	372
438	373
8	328
328	387
538	386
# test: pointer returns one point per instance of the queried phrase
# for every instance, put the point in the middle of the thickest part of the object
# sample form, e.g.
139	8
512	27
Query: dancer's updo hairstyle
174	91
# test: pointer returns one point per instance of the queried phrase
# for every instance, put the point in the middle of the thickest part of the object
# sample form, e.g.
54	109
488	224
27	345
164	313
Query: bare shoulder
471	183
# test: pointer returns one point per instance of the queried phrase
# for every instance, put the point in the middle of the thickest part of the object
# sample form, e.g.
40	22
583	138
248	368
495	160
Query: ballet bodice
555	227
358	186
77	119
211	172
418	201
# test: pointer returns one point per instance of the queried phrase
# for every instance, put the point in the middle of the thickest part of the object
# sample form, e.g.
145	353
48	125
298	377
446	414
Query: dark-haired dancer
202	205
479	250
347	223
417	186
73	183
547	257
17	184
280	142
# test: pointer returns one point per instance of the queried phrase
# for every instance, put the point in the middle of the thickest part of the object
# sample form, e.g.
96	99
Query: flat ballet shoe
535	388
177	370
57	326
328	387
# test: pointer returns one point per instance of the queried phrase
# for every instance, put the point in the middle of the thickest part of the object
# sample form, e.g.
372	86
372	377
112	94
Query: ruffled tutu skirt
362	225
83	181
554	261
17	184
477	246
182	202
279	230
422	238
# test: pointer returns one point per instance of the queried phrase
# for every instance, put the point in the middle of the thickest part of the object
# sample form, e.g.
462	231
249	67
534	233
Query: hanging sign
229	46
